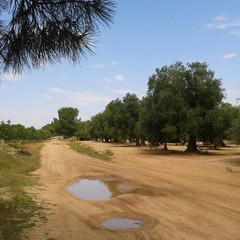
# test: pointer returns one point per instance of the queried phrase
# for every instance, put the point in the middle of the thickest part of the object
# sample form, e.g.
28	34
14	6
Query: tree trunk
219	143
165	146
138	142
142	142
192	144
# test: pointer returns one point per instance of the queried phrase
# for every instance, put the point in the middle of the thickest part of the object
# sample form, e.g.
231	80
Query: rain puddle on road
94	189
122	224
90	189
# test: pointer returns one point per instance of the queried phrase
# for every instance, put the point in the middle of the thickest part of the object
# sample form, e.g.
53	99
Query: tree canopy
180	99
17	132
67	121
118	122
45	31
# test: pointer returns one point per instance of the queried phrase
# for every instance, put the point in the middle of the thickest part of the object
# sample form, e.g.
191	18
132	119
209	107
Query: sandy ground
181	196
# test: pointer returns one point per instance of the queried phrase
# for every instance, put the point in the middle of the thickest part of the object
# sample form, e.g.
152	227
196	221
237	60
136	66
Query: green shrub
83	148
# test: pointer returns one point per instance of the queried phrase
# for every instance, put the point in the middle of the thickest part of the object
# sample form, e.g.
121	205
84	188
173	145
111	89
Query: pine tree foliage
36	32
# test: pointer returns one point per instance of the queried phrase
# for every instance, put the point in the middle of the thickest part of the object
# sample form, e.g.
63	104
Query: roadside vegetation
82	148
16	206
18	133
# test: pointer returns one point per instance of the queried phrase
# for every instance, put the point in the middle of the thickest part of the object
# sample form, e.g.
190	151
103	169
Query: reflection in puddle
89	189
94	189
121	224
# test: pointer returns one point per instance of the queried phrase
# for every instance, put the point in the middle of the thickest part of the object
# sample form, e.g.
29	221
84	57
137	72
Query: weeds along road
178	196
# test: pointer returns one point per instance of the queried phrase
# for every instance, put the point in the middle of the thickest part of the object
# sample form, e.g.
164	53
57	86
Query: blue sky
146	34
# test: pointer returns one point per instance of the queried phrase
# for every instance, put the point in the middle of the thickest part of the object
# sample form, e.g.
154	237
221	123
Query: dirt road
183	196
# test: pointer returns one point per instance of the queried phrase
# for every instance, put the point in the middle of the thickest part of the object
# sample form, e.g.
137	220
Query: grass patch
83	148
16	206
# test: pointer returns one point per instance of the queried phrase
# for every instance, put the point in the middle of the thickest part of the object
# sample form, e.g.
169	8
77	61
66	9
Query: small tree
218	123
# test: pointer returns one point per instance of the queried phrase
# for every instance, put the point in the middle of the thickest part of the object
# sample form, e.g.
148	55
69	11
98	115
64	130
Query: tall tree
97	127
162	110
67	121
182	97
36	32
131	104
203	94
115	120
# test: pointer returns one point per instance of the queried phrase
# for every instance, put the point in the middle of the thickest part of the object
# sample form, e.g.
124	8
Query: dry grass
16	206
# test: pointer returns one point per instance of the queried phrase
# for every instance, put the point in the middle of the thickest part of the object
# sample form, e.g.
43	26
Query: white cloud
237	32
79	98
122	91
88	103
118	78
217	25
99	65
232	96
46	96
108	80
114	63
58	91
229	56
36	118
6	114
62	78
221	17
222	22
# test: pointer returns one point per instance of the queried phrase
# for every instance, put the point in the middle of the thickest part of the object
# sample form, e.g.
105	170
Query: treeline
183	104
17	132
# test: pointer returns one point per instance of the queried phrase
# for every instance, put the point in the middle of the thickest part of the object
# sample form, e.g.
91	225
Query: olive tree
180	99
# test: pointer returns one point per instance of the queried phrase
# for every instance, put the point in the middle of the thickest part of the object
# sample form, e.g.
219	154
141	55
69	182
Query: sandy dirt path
182	196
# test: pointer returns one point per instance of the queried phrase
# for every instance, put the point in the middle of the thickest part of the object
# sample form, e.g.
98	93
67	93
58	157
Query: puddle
122	224
95	189
90	189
